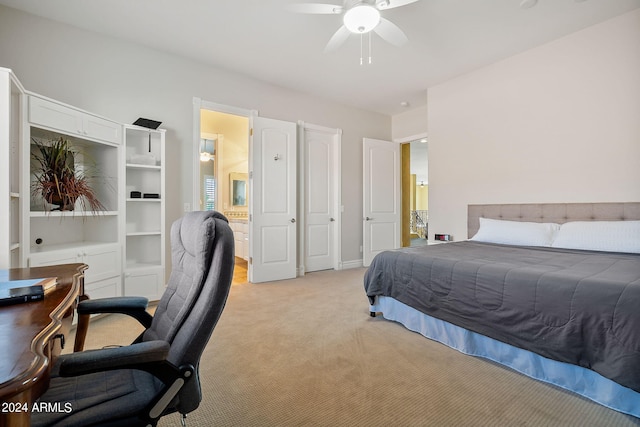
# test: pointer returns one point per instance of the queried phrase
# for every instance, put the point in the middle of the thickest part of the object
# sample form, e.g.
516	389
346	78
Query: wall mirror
238	188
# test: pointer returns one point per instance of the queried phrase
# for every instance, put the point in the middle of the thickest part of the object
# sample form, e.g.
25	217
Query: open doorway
223	176
415	193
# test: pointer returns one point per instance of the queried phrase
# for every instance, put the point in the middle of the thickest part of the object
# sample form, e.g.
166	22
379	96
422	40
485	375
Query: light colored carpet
304	352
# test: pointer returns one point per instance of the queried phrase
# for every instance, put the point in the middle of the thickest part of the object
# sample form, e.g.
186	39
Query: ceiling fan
359	17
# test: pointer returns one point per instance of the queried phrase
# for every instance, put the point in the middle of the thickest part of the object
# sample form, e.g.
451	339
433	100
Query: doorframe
337	193
200	104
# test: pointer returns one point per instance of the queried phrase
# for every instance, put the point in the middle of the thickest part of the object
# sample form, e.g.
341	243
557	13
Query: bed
550	290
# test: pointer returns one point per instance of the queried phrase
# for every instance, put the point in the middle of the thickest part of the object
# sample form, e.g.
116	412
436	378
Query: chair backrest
202	255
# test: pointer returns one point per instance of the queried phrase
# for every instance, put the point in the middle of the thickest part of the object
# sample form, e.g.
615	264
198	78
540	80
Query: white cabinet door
99	128
49	114
103	288
145	282
381	194
67	256
273	227
71	121
240	230
104	263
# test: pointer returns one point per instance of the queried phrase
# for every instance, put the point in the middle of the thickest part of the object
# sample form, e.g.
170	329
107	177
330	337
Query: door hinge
250	260
251	132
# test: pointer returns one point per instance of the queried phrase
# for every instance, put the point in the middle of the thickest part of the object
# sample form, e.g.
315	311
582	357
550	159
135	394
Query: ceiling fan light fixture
361	19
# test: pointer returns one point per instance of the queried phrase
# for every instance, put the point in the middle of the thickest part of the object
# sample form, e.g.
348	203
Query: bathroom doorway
415	192
223	176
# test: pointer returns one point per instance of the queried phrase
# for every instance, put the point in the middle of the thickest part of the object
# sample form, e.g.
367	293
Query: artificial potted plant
58	181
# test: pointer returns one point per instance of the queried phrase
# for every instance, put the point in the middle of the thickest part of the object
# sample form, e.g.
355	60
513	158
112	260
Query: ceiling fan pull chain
360	48
369	47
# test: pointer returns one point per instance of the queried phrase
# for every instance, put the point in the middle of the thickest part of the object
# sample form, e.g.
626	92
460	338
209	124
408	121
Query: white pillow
609	236
516	233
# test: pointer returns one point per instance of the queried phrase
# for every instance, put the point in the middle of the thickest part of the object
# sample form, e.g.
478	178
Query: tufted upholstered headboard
552	212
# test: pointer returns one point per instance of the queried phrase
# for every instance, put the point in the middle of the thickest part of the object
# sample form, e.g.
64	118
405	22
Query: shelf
14	195
141	266
139	166
144	233
70	214
142	199
65	246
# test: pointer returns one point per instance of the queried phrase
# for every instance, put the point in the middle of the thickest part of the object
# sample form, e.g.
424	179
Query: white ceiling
263	40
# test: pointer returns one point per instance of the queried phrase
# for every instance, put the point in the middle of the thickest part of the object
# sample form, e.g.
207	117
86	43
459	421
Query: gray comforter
578	307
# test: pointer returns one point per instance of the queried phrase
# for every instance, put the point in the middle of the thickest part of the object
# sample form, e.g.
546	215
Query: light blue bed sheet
584	382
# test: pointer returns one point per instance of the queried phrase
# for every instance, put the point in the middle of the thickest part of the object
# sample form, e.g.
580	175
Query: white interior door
321	197
273	226
382	193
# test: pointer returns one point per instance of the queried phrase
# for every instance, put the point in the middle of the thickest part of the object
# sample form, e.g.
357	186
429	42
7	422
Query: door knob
293	220
331	219
368	219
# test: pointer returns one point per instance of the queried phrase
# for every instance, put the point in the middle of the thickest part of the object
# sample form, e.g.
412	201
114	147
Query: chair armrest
135	307
148	356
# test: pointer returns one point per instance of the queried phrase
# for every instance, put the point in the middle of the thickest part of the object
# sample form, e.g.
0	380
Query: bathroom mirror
238	188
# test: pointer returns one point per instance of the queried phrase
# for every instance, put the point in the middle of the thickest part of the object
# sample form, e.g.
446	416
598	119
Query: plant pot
64	203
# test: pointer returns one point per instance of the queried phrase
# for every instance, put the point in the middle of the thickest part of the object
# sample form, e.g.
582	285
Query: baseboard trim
346	265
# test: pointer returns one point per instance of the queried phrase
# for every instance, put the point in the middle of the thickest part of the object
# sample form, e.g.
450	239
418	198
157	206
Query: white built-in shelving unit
11	100
124	243
144	228
57	237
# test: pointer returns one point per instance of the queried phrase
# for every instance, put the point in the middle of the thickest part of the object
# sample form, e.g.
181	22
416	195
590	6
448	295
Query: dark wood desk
30	339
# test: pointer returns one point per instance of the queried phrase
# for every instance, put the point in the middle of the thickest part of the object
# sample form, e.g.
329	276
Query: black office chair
157	374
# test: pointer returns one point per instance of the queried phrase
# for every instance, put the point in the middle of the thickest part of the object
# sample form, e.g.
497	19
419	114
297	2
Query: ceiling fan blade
337	39
390	4
315	8
390	32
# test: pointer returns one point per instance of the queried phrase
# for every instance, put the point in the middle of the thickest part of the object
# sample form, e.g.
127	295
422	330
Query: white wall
123	81
410	124
558	123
